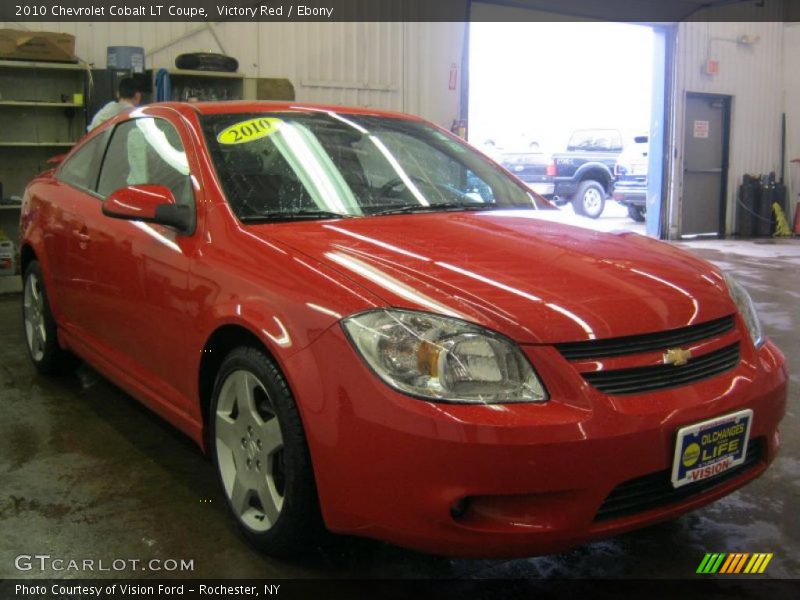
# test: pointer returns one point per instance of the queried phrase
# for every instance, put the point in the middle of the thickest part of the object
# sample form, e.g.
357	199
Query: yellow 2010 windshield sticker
248	131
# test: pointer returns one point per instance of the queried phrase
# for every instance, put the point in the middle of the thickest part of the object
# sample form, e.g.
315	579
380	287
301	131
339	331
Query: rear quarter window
81	169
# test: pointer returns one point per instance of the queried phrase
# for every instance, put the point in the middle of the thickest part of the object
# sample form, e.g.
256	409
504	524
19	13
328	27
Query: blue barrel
126	57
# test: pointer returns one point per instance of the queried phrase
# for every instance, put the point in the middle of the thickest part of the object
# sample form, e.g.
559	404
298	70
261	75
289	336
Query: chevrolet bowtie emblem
677	356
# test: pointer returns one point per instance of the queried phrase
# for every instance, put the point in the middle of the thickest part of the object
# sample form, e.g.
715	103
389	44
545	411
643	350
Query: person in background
128	96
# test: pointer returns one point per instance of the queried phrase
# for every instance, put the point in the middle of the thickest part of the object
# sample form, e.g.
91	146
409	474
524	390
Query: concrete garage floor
86	472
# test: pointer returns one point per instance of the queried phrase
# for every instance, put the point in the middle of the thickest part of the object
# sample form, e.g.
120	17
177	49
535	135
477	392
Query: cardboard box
36	45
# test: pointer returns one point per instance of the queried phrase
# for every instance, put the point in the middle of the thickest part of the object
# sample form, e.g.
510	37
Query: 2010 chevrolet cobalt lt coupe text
373	328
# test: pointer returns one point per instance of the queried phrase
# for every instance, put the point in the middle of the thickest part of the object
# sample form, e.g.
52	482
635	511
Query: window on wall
147	151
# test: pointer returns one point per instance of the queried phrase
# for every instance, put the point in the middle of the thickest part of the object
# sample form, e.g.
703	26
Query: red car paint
141	306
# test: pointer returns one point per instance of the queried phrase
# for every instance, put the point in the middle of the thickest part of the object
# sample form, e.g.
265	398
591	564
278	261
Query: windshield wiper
295	215
443	206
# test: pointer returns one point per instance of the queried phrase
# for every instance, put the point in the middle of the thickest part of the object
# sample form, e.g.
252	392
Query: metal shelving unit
42	114
204	85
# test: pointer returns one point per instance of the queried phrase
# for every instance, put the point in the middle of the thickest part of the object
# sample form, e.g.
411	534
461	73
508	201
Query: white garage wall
754	76
406	66
393	66
791	102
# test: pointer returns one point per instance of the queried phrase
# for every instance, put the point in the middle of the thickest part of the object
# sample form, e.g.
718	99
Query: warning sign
701	129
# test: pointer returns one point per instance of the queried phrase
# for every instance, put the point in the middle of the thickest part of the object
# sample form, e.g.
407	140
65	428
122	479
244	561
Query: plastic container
7	258
125	57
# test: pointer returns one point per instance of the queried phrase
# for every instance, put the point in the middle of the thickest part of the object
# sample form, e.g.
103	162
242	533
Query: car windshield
322	164
596	139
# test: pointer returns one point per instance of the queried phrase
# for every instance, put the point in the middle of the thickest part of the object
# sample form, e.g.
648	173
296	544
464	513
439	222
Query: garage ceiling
654	10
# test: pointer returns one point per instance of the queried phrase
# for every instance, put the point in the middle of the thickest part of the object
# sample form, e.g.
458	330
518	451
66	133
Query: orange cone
796	228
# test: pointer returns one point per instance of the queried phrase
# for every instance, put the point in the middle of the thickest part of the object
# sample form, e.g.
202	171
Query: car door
142	311
66	242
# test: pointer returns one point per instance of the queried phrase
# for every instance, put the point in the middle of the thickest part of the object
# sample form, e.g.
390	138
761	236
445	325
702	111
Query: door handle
83	237
717	171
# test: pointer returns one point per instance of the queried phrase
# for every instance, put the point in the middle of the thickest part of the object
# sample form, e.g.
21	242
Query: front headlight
444	359
747	309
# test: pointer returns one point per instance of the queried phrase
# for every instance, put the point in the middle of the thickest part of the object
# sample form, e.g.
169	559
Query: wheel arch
26	256
598	173
219	344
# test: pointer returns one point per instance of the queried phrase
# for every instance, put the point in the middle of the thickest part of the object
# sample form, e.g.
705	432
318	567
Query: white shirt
112	109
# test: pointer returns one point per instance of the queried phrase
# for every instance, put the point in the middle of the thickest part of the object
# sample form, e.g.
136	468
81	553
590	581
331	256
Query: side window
80	169
146	151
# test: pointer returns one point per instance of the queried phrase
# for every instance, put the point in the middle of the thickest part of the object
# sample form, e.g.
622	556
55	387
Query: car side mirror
148	203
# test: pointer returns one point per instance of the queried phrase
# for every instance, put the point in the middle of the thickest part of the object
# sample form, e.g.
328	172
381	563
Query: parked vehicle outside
584	174
532	166
630	184
374	329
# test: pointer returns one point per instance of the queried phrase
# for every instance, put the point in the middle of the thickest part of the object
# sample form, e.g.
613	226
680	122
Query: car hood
519	272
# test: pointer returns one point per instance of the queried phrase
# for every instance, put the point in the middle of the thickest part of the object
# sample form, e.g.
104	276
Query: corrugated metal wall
791	103
753	75
393	66
406	66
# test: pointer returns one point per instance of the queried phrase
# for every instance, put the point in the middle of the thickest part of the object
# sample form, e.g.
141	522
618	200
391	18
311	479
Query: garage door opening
569	108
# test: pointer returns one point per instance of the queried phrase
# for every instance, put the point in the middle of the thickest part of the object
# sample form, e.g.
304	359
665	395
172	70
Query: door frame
727	105
662	118
662	128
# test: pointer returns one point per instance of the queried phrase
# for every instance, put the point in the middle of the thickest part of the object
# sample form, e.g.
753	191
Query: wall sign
701	129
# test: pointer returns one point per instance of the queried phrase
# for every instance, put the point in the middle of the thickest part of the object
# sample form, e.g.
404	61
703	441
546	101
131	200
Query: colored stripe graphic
741	562
728	563
703	564
711	563
764	564
734	563
755	562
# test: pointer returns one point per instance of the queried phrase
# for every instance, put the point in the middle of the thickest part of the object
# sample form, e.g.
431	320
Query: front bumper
533	475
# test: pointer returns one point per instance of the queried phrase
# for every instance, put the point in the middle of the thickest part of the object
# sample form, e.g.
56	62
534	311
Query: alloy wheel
33	308
249	445
592	201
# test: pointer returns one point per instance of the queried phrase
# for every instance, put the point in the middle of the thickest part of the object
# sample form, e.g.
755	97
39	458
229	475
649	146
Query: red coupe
373	328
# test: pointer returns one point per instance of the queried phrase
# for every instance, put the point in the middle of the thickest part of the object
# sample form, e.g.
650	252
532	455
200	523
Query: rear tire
590	199
41	331
636	213
261	455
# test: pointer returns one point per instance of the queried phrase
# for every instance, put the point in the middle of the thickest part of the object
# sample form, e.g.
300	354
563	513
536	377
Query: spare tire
206	61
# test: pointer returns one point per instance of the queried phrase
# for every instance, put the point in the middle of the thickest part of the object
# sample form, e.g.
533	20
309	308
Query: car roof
248	106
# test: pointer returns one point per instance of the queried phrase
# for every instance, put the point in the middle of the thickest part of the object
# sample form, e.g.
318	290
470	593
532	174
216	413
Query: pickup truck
630	184
532	166
584	174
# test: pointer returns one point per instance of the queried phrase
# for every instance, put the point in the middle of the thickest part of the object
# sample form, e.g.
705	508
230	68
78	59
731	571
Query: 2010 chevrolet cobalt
373	328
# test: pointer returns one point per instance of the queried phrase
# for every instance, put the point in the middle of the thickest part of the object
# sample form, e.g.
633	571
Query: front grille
647	379
649	342
654	490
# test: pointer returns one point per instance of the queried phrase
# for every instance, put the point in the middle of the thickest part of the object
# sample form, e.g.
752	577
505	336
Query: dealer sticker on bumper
710	448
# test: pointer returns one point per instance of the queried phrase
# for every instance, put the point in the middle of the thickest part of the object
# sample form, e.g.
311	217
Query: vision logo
734	563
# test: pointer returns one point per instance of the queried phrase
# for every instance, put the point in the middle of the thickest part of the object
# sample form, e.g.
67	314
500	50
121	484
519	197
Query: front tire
261	455
590	199
41	331
636	213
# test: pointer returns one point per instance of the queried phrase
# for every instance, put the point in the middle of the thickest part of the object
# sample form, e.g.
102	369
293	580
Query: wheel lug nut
258	465
249	463
258	443
244	443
